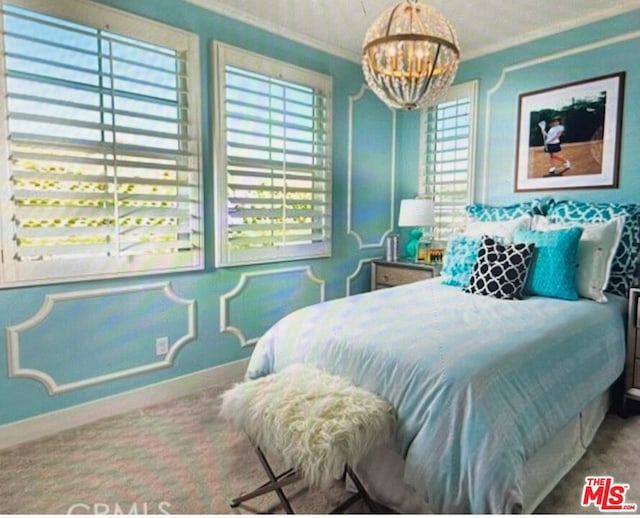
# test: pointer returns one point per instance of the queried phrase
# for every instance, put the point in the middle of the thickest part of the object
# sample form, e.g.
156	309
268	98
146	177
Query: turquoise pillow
459	257
480	212
555	258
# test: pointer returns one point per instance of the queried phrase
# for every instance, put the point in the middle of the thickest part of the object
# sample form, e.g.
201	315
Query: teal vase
411	248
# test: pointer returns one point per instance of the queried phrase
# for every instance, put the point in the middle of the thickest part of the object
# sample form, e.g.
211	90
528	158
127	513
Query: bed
496	398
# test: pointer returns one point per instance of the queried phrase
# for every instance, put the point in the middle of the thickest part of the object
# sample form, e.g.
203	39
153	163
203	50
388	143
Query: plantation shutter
104	170
274	160
448	130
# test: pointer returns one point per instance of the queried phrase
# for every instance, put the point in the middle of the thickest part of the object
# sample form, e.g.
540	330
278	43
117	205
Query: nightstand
632	367
385	274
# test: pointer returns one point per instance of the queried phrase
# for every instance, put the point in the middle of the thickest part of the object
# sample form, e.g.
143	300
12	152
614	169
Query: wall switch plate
162	345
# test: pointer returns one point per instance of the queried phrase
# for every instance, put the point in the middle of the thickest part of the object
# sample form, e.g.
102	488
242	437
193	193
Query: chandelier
410	55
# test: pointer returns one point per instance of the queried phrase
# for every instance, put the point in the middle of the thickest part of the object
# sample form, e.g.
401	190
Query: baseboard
53	422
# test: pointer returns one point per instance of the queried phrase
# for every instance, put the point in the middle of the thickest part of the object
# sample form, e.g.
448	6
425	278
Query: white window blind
448	130
273	159
103	172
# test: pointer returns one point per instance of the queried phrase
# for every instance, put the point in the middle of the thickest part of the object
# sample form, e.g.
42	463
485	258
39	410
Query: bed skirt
382	470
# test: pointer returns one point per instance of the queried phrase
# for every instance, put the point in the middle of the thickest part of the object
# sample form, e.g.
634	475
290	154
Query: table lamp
418	212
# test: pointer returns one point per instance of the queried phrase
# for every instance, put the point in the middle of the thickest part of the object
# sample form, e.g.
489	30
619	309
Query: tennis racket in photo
543	126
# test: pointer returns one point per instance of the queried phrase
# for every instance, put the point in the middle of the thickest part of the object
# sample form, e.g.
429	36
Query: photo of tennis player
558	165
568	135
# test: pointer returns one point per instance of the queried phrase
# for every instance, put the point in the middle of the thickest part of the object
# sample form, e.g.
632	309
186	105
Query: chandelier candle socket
410	55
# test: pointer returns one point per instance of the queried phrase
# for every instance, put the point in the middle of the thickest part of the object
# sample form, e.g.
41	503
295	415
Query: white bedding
480	384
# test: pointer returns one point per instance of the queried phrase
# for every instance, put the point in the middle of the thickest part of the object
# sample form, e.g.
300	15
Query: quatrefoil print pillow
501	270
626	261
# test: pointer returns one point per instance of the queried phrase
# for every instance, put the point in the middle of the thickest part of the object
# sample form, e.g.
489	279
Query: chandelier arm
391	16
427	81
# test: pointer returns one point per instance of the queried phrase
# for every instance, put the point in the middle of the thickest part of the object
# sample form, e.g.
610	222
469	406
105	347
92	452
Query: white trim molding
243	282
357	271
13	338
392	167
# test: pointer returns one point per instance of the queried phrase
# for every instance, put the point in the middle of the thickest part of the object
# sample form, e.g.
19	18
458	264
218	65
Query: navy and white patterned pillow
501	270
626	261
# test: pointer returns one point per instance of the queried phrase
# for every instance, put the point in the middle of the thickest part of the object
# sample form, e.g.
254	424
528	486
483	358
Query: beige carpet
179	458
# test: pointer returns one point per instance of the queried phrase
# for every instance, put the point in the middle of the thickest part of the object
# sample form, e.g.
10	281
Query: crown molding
276	29
221	8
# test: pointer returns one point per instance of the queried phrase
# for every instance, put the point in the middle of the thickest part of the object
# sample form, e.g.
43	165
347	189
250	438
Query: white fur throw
315	421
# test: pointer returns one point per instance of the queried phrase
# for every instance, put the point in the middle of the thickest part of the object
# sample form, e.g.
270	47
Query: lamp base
411	248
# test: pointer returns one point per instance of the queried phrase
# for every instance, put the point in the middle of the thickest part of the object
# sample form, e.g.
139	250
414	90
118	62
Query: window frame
222	55
456	92
26	273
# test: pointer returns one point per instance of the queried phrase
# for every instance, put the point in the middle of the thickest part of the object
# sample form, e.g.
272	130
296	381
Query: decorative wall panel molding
52	339
359	272
371	169
620	38
265	297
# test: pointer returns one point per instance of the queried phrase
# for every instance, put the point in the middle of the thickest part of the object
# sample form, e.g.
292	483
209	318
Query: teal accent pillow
554	265
459	257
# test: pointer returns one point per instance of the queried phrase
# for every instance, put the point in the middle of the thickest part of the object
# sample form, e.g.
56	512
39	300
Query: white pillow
497	229
597	246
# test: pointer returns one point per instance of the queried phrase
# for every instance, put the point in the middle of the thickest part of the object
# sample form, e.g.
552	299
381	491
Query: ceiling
483	26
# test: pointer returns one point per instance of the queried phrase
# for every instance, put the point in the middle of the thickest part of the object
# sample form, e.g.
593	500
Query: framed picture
569	135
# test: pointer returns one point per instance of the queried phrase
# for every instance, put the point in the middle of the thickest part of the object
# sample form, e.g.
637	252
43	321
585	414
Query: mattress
479	384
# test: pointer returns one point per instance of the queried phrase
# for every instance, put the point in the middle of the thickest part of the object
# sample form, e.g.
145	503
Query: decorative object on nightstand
418	212
391	248
430	255
632	368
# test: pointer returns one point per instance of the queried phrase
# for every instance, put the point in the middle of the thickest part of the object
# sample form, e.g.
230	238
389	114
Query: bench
318	423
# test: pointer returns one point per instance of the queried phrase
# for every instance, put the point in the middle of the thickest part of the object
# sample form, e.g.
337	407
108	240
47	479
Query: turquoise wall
598	49
603	48
91	340
96	339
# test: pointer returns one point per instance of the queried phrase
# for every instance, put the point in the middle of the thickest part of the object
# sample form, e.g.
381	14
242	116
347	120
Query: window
272	159
102	133
447	157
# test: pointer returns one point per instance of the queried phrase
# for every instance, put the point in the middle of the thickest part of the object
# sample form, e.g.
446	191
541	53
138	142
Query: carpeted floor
180	458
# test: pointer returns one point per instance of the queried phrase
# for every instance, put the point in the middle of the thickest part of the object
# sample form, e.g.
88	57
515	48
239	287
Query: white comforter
479	383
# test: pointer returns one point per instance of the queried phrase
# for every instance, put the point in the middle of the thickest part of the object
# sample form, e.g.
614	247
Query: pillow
626	260
480	212
501	270
596	248
459	257
554	264
500	230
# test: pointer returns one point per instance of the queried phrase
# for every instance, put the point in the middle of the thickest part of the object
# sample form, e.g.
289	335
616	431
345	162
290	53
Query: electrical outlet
162	345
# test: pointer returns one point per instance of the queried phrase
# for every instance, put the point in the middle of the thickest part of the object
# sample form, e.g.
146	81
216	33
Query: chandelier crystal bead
410	55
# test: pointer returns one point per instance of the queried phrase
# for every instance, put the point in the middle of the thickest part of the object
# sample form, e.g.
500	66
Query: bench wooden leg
275	483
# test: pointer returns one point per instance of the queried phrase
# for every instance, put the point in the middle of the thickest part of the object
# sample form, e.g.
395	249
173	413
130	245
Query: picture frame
580	149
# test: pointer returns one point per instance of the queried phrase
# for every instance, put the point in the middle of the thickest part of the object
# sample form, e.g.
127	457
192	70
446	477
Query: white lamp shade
416	213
